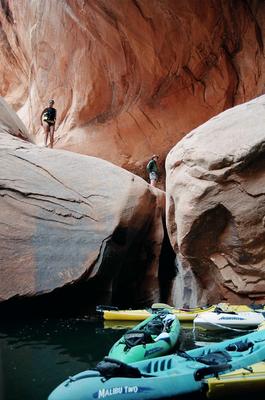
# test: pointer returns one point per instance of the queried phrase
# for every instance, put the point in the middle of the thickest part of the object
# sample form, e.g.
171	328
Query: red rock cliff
216	207
129	77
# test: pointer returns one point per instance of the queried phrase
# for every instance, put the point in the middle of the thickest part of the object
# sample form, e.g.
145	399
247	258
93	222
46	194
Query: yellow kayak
182	314
239	381
126	315
140	315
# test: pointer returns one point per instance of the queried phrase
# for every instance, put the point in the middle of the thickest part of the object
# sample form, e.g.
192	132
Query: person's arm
42	115
55	114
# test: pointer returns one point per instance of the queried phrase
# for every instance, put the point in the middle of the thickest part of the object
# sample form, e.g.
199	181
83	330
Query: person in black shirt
152	169
48	118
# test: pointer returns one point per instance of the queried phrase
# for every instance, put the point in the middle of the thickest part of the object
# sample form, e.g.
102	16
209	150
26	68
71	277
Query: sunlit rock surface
216	206
10	122
67	218
129	78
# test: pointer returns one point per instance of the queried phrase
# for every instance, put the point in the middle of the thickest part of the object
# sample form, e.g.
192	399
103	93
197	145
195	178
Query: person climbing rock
152	169
48	118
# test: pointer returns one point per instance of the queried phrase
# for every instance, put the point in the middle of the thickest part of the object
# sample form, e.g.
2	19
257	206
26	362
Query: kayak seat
154	327
137	337
110	368
215	358
240	346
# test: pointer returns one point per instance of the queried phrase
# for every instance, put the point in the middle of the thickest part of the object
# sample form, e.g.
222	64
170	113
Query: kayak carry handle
86	375
201	373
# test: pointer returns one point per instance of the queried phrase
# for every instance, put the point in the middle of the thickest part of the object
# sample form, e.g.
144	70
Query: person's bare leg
46	132
52	135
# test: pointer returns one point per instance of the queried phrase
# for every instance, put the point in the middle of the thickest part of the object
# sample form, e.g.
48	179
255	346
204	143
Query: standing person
152	169
47	119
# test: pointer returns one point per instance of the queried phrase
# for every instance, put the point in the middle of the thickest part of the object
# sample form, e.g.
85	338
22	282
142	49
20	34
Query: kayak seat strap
201	373
216	361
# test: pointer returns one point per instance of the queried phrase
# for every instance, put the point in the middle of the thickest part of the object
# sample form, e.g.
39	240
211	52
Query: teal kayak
156	336
163	377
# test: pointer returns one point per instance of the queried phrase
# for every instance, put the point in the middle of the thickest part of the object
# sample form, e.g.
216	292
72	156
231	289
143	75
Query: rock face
66	217
129	78
216	206
10	122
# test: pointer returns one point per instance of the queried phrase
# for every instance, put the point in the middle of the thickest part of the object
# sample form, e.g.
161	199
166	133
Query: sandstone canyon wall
67	218
130	78
216	206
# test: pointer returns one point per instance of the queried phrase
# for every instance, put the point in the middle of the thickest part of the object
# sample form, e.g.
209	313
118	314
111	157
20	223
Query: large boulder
66	218
216	206
129	78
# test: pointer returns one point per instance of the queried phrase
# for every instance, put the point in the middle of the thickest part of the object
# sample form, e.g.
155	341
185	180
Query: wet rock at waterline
130	76
65	218
216	206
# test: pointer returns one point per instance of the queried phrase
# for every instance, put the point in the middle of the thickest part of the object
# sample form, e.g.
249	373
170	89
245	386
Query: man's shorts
153	176
50	123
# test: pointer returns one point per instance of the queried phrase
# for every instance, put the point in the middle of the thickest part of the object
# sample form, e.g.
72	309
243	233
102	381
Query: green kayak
156	336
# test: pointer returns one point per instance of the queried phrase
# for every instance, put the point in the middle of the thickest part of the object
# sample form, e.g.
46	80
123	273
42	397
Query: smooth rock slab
65	217
216	206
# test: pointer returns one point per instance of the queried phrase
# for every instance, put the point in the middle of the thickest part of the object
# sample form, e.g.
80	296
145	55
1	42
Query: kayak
247	380
153	337
115	314
163	377
230	320
141	315
126	315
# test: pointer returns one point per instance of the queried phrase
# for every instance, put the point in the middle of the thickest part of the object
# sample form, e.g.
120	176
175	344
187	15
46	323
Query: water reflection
37	355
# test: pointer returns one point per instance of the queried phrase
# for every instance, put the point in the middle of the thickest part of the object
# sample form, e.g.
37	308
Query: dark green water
35	356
